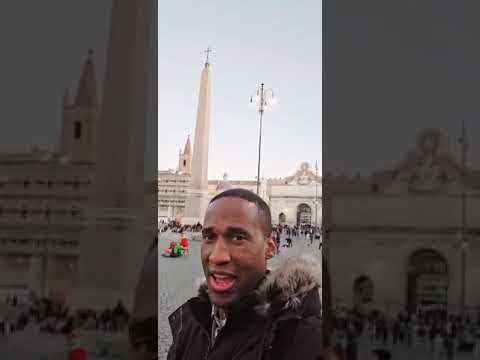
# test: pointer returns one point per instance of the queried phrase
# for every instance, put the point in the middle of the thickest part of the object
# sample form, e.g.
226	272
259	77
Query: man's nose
220	253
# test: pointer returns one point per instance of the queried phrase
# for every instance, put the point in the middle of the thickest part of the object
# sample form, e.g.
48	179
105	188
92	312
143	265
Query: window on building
75	211
77	131
184	162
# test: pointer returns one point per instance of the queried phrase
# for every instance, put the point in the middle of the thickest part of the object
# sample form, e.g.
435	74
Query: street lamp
463	244
44	256
316	195
264	98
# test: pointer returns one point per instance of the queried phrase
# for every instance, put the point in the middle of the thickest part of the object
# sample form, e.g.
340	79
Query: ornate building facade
399	240
44	196
293	200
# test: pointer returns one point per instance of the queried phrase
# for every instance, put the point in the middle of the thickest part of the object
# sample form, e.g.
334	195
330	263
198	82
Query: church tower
197	199
185	158
80	118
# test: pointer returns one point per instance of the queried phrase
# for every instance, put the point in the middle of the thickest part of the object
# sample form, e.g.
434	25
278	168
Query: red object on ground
184	243
78	354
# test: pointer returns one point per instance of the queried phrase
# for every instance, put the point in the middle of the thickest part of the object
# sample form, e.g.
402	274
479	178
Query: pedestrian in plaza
438	346
185	244
476	346
382	354
449	347
243	310
289	242
351	349
278	243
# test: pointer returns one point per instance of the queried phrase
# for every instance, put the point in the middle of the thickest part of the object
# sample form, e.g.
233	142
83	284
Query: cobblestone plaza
177	279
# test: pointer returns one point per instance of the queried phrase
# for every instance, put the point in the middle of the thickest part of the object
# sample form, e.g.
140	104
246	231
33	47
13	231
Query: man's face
234	249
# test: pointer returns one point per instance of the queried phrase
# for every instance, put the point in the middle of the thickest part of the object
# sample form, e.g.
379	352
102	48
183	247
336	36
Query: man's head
236	245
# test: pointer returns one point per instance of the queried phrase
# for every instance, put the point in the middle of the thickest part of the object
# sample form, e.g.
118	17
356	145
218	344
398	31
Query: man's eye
238	237
207	236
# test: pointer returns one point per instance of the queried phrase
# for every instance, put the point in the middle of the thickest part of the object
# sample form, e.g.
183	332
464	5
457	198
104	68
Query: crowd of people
306	232
177	227
434	332
47	315
287	232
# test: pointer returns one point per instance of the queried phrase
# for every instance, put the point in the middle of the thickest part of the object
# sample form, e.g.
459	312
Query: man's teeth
221	277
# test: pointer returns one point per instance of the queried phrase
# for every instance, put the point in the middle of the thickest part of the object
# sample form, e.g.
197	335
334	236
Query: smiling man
244	311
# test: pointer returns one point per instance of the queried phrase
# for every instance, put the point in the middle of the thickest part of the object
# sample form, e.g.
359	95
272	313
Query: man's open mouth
222	282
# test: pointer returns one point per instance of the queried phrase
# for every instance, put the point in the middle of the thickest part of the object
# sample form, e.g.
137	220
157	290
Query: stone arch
427	280
362	291
304	214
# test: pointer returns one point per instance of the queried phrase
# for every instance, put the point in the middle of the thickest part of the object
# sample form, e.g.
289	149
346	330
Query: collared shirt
219	319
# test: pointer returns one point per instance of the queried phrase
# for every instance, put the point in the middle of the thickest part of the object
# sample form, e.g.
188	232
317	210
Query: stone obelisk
114	244
197	199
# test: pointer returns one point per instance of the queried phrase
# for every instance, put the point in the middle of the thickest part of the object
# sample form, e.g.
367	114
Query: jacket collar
292	287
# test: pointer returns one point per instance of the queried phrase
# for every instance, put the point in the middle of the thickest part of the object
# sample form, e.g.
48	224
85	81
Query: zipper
209	341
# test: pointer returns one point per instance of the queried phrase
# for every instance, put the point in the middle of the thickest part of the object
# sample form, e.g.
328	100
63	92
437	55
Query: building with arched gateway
293	200
398	240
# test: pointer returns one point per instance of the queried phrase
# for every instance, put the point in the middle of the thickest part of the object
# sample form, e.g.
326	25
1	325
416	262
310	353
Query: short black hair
262	206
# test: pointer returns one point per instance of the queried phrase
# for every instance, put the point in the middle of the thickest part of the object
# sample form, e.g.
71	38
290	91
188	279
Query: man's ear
271	248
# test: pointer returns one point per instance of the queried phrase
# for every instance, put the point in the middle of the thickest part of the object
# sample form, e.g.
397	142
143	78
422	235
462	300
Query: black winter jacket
280	320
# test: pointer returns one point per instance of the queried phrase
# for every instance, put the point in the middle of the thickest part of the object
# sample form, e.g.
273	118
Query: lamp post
264	98
44	258
316	196
463	244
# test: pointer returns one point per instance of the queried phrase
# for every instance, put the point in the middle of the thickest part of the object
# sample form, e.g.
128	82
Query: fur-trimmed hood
285	287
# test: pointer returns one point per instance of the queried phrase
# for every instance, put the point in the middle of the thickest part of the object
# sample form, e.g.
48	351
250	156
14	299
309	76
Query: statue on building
429	168
224	184
427	175
304	176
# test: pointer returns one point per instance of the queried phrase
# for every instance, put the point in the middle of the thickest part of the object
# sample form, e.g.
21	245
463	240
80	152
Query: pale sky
277	42
43	52
391	70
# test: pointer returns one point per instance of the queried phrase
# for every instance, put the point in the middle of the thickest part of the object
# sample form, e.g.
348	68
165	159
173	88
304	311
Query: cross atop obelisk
208	51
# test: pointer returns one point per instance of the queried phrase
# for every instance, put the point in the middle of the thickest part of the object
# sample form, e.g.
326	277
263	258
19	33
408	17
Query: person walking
449	347
351	348
438	345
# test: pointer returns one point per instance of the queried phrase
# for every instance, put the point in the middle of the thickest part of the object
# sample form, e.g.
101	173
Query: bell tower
80	119
185	158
